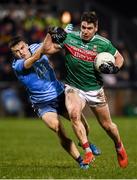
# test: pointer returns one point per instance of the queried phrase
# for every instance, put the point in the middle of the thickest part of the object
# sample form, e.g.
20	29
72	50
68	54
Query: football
103	57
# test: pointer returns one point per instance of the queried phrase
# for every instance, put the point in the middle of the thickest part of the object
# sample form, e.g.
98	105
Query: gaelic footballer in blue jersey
45	91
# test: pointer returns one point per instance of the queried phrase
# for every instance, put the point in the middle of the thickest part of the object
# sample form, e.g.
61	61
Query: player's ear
96	28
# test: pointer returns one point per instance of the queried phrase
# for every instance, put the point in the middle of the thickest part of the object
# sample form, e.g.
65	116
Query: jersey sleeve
34	47
111	48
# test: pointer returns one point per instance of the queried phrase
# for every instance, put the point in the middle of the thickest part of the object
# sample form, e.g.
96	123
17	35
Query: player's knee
74	115
55	127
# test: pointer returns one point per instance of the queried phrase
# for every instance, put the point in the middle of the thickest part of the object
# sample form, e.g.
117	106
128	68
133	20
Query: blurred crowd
33	24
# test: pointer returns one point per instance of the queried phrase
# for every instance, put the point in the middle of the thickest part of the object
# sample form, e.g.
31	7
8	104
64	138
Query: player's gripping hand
108	68
58	34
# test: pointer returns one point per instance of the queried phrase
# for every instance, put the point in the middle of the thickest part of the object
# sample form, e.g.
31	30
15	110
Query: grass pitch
29	150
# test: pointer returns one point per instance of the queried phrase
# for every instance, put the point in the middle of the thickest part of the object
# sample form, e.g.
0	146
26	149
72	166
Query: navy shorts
55	105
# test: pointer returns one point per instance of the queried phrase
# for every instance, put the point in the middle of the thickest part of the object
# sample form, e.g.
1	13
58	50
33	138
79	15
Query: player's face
21	50
88	30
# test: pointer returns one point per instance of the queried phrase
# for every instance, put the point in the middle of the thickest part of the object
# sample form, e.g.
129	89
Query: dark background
125	8
30	18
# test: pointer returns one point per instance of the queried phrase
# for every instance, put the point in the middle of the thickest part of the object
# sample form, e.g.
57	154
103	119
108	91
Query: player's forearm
36	56
49	47
119	60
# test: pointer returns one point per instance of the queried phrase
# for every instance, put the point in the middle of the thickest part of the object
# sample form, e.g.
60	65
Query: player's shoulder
101	38
15	62
74	33
34	46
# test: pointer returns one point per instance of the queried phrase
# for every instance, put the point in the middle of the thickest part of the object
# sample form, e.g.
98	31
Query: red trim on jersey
85	55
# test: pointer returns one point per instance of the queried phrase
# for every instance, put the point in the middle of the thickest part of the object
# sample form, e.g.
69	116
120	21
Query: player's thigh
73	101
52	120
102	113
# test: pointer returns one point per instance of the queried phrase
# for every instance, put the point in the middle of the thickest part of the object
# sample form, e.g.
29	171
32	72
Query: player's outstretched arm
50	44
47	48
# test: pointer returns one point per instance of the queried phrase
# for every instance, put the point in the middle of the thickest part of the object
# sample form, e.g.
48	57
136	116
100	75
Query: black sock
79	159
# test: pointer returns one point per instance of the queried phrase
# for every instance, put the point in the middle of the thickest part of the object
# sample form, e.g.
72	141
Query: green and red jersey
80	57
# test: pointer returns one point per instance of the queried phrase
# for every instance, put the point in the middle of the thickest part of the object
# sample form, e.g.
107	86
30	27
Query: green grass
28	149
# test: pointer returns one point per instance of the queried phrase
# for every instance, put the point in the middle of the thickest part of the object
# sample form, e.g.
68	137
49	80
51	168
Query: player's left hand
58	34
108	68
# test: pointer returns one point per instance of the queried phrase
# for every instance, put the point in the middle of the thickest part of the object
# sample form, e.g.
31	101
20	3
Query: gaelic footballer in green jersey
84	84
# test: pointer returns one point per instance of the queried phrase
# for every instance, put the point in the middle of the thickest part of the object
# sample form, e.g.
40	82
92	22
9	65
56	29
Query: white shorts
93	98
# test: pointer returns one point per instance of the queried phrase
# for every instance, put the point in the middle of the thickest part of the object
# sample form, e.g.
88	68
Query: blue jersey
39	80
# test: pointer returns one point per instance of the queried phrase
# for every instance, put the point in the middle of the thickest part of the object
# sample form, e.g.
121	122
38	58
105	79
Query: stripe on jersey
102	38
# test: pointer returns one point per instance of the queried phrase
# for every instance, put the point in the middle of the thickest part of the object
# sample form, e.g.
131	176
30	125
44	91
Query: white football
103	57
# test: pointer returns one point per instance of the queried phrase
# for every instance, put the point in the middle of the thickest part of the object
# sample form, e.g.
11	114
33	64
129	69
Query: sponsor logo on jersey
73	41
83	54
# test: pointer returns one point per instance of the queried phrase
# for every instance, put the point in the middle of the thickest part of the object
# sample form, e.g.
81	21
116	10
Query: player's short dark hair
15	40
90	17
